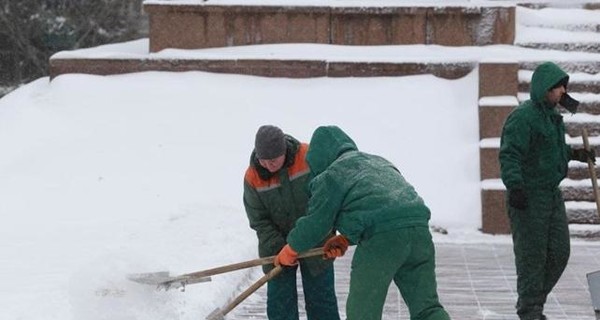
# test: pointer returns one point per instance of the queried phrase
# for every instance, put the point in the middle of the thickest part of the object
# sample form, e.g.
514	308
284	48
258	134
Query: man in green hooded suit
367	200
533	161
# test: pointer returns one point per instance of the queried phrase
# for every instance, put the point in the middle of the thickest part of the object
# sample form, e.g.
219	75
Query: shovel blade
151	278
163	280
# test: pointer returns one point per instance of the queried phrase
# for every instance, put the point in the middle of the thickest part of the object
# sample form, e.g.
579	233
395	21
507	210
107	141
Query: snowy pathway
475	282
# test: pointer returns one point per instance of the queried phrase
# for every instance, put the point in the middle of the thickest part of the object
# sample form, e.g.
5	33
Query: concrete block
494	217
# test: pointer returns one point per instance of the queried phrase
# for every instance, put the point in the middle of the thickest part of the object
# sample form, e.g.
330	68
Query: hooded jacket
533	152
356	193
274	201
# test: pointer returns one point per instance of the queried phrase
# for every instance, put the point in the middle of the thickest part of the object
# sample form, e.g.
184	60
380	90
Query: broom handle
592	169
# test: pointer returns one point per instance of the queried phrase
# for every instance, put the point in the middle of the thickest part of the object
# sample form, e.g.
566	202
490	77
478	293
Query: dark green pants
319	295
405	256
541	246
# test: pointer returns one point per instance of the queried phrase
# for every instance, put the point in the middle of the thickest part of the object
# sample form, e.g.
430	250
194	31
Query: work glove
584	155
287	257
335	247
517	198
568	103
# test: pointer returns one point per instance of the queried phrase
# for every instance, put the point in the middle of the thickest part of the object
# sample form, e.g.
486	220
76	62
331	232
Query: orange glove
335	247
287	257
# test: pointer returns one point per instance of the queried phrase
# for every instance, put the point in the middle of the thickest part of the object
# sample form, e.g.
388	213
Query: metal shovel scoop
162	280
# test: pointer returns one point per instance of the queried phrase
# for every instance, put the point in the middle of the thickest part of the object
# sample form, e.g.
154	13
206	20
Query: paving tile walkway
475	282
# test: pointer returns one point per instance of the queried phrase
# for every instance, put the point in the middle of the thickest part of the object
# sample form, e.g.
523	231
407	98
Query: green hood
326	145
545	76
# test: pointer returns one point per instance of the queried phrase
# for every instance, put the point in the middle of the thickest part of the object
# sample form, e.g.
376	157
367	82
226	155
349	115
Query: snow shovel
219	313
162	280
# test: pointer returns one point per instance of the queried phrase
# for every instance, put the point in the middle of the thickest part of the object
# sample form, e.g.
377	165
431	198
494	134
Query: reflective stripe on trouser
405	256
541	246
319	295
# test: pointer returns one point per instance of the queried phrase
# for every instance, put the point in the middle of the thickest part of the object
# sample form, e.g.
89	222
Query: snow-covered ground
105	176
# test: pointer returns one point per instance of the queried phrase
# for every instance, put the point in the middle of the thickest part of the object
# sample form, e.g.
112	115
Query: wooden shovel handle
243	265
592	169
259	283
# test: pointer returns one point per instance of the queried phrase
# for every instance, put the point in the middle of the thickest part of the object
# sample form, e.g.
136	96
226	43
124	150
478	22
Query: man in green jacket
533	160
275	196
368	201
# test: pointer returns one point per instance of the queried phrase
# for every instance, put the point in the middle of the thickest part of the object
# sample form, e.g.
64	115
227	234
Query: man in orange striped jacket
275	196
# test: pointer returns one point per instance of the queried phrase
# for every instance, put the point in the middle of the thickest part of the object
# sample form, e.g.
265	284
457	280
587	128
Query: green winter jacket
274	201
533	152
353	192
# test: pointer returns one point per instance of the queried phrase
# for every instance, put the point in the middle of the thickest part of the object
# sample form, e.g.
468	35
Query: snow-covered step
494	143
588	231
574	127
579	210
580	171
567	29
489	148
577	190
582	212
569	19
578	82
577	142
581	97
545	38
569	65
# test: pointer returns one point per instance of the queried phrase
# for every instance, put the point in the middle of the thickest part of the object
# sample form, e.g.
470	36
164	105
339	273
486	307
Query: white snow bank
101	176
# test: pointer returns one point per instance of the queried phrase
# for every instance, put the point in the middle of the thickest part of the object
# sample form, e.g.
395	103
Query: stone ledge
266	68
204	26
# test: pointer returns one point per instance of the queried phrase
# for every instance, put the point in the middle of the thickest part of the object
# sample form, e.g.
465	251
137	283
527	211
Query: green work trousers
541	246
319	295
405	256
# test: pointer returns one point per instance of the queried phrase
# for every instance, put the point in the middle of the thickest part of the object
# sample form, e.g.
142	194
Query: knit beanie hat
269	142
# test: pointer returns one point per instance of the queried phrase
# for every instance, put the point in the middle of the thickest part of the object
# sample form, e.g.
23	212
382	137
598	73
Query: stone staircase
556	29
575	28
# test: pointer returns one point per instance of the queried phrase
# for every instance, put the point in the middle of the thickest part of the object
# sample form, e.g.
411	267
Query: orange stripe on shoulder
300	166
254	180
